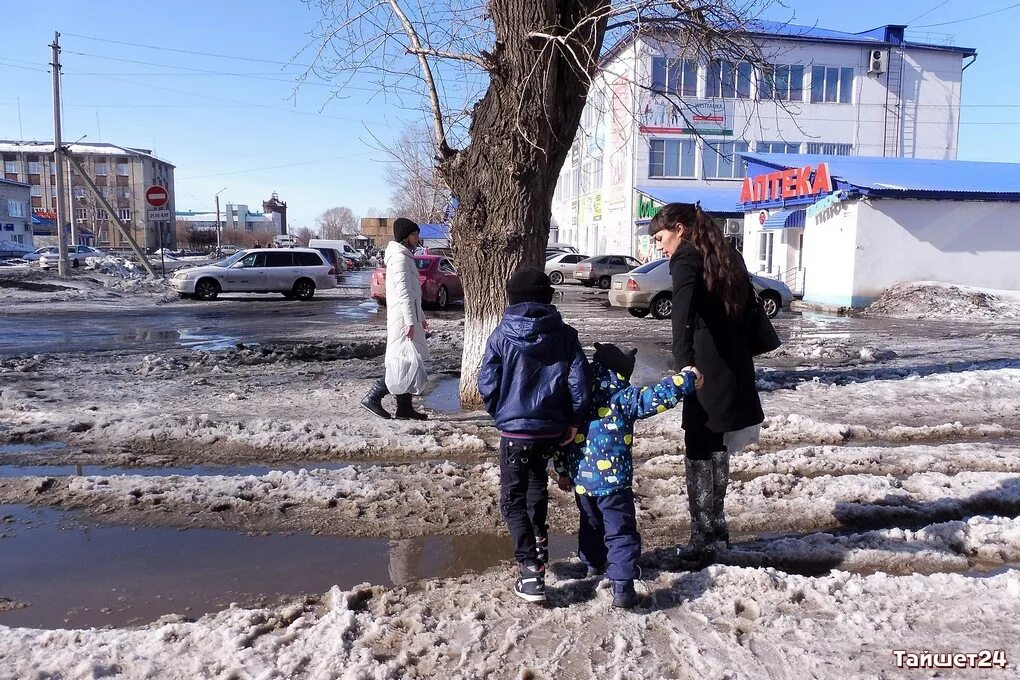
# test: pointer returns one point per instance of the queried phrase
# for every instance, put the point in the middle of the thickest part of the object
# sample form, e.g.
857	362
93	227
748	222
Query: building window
671	158
124	213
675	76
102	214
576	181
721	160
17	208
729	80
765	251
830	148
36	190
778	147
124	192
79	192
11	166
596	174
106	191
782	82
122	169
100	169
830	84
33	167
53	192
81	214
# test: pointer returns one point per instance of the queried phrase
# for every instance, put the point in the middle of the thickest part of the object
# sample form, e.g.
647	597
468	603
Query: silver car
649	289
600	270
294	272
76	256
561	266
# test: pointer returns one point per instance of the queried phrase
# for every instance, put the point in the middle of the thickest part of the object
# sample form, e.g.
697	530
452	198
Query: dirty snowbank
934	300
720	622
107	280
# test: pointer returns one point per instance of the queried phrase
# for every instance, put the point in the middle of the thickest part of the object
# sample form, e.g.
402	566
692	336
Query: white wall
965	242
830	253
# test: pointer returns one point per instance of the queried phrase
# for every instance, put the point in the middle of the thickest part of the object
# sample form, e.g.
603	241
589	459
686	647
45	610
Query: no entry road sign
157	196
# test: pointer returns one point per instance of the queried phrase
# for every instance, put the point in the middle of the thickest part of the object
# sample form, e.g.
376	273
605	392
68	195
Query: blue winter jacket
599	461
534	377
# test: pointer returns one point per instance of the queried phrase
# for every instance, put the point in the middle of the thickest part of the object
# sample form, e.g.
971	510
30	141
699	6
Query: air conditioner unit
733	228
877	61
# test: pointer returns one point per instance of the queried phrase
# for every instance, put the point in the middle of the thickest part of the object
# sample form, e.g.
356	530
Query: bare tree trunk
520	135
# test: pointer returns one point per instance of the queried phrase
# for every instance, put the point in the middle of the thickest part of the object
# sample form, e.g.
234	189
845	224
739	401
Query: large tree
338	223
506	83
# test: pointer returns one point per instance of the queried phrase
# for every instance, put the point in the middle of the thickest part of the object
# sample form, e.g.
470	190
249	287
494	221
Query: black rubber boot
405	409
720	479
373	400
701	547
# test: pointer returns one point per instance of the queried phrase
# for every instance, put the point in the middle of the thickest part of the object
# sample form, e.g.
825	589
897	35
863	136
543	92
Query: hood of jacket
605	383
531	326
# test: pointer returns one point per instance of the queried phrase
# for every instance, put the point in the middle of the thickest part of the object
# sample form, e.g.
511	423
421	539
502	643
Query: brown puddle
75	574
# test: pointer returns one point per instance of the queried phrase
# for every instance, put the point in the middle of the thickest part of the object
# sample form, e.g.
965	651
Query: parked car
38	253
333	256
559	248
649	289
340	244
599	270
561	266
229	249
76	256
440	283
294	272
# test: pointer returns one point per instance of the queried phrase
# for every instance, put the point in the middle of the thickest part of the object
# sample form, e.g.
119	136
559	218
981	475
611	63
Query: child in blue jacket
535	382
598	466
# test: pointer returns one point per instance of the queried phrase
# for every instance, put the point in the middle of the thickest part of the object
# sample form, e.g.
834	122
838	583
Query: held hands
699	380
569	436
564	483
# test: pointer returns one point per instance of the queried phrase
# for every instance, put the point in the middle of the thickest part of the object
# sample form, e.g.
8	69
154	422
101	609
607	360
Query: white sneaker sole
529	598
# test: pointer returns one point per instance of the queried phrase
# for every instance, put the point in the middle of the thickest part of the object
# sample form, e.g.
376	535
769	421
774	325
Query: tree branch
474	59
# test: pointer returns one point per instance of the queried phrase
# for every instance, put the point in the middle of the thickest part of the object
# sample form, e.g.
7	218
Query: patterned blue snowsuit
600	465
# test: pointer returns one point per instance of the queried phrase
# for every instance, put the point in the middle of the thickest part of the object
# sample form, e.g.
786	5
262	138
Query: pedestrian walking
713	316
405	321
535	382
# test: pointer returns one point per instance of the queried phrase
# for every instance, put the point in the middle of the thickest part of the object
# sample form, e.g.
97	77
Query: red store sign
787	184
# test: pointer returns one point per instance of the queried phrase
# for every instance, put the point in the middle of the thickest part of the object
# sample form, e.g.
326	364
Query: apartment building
662	125
15	217
122	175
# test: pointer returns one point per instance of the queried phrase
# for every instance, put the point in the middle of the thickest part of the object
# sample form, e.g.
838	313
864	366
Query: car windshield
422	263
230	260
649	266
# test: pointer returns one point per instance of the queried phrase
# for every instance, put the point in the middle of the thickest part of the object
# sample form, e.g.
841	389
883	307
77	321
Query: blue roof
435	231
905	177
713	199
13	183
785	219
883	35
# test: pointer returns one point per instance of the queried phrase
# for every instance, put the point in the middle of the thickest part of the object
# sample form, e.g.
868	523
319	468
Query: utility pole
218	244
58	159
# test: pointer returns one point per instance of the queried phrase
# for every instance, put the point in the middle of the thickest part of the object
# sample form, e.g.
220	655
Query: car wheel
638	312
74	263
304	289
556	278
442	298
605	282
207	289
662	307
772	304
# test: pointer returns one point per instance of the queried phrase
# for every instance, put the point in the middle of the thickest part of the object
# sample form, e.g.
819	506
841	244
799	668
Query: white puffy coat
403	299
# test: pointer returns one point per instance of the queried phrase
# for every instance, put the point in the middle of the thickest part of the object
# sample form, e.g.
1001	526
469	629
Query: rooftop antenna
21	130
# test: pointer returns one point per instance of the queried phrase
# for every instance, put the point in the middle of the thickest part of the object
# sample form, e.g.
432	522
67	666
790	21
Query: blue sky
236	131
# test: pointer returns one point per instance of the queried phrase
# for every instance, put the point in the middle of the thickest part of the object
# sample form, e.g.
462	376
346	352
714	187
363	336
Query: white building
663	126
851	227
234	216
15	217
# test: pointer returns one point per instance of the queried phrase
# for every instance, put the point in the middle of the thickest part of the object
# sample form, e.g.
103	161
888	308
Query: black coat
717	345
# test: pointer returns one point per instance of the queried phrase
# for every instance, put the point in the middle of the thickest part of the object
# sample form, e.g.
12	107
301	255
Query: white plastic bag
405	369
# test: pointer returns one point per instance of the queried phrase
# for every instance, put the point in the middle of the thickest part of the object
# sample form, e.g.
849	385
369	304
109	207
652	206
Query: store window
830	148
721	160
765	245
832	84
729	80
777	147
782	82
675	76
671	158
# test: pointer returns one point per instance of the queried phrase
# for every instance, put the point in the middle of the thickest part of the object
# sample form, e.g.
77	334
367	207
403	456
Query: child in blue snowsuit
599	467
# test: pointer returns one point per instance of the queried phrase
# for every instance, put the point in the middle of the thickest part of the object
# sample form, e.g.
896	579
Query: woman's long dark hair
725	274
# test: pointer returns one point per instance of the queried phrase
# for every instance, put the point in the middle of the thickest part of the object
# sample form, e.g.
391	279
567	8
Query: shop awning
713	200
785	219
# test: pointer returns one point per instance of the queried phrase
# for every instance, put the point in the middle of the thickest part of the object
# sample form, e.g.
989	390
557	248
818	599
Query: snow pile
115	266
932	300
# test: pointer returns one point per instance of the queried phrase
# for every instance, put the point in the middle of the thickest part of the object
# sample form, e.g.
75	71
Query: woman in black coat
712	308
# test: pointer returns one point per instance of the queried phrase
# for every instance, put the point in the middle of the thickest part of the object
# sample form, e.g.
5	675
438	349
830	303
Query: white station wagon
294	272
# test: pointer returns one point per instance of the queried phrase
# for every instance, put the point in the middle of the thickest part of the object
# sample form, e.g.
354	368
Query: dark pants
699	441
524	492
608	538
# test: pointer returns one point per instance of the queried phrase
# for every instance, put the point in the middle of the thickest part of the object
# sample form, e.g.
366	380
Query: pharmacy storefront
840	230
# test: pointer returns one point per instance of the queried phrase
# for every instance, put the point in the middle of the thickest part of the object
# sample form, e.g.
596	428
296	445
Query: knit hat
529	284
403	227
615	359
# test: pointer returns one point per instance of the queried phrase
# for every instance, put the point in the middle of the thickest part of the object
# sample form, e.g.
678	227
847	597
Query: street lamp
217	197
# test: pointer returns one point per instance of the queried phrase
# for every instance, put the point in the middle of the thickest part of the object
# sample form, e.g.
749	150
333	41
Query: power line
959	21
180	51
924	14
274	167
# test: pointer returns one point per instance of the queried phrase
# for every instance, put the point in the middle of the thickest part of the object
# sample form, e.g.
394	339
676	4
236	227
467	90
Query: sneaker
592	572
624	595
542	548
530	584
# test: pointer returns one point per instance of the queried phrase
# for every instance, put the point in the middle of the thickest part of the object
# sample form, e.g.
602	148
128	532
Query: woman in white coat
404	315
